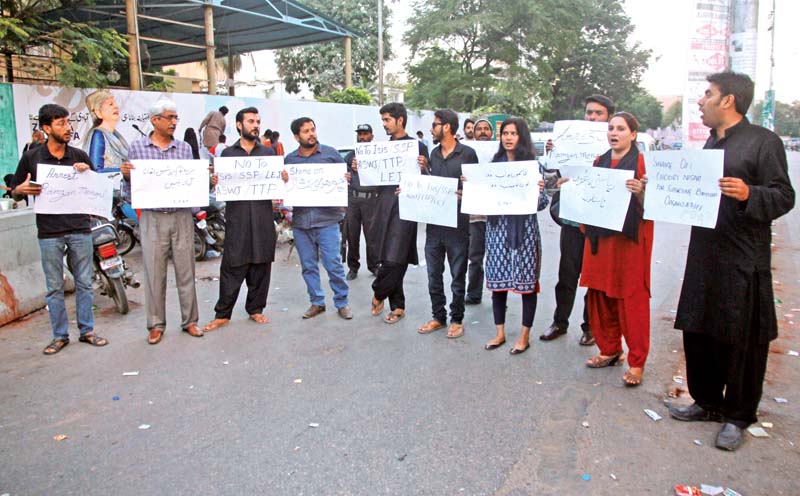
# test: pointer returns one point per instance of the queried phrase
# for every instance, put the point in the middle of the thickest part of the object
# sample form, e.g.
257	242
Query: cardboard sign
385	162
249	178
504	188
316	185
67	191
429	199
577	143
597	197
169	183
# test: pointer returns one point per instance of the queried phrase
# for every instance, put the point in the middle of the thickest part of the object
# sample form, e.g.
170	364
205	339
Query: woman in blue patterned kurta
513	245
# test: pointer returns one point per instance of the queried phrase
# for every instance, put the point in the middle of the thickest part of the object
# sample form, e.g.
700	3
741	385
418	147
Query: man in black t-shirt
61	232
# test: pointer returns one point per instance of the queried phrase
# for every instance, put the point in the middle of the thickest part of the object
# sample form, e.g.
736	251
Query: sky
662	26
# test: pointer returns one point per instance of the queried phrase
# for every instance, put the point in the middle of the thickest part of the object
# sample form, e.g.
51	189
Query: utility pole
380	52
768	109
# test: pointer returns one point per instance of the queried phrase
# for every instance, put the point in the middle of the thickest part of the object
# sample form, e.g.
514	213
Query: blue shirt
311	217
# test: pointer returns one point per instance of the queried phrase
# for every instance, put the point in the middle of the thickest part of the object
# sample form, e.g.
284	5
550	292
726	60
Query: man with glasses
165	232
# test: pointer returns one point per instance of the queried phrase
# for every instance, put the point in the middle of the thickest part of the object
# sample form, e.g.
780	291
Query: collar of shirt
172	144
459	148
313	151
44	153
738	127
258	148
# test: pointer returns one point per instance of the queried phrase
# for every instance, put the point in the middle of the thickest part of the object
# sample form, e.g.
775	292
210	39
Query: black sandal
55	346
93	339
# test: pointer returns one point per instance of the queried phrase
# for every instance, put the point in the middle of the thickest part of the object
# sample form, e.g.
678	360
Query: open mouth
614	141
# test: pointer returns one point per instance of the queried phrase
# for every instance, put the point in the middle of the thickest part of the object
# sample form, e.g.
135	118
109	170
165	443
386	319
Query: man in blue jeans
57	233
316	229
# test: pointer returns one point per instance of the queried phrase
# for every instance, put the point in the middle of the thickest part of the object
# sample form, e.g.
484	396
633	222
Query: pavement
333	407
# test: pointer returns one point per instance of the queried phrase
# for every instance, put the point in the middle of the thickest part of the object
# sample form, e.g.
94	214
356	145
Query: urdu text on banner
316	185
596	197
169	183
503	188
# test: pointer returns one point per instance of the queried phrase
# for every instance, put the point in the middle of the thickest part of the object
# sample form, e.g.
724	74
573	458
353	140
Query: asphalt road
393	412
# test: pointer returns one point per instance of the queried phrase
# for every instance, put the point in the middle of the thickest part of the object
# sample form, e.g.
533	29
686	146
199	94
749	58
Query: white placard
597	197
577	143
249	178
385	162
169	183
485	150
67	191
503	188
429	199
683	186
316	185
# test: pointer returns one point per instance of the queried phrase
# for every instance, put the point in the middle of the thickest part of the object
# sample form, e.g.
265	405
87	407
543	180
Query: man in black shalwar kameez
249	236
726	309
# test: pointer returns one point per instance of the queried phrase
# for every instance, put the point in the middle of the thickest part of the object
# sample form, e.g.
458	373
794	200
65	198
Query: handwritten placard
169	183
682	186
485	150
429	199
385	162
504	188
316	185
597	197
67	191
577	143
249	178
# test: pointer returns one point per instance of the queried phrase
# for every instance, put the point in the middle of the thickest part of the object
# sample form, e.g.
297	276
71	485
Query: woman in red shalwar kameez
616	265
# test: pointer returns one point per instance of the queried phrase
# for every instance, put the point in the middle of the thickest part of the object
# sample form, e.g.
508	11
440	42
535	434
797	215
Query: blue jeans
79	253
325	242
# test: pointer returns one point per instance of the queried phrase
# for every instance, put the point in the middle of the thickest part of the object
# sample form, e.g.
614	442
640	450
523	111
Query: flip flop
376	309
430	326
455	331
393	317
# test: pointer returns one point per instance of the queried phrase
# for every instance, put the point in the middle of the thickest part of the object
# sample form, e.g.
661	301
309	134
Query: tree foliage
86	52
355	96
321	65
674	115
787	117
645	107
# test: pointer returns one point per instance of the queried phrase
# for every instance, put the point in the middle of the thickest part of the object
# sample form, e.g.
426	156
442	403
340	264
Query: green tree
787	117
645	107
674	115
86	52
321	65
355	96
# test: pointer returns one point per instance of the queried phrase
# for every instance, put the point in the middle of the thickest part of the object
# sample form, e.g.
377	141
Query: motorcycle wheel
217	229
200	247
126	240
116	290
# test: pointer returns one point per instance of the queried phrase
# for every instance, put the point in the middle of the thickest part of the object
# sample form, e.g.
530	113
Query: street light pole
380	52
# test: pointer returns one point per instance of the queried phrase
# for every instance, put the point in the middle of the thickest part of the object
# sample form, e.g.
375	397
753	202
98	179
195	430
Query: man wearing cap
482	130
361	205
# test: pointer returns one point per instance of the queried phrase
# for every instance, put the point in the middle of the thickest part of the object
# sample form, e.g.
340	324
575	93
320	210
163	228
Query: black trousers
499	306
388	283
230	281
569	272
441	242
477	250
726	378
360	213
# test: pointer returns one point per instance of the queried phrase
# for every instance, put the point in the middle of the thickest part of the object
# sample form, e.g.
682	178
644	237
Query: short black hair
267	133
396	110
223	110
467	121
736	84
448	117
222	138
602	100
275	135
419	133
248	110
49	112
298	123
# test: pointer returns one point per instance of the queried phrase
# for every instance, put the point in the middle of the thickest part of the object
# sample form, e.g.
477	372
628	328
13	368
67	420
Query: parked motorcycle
126	224
111	273
204	240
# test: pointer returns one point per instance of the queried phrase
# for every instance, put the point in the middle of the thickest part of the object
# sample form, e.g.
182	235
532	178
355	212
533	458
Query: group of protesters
725	309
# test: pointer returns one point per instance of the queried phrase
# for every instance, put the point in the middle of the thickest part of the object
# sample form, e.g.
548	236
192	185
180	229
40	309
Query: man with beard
469	128
726	309
249	236
166	232
316	229
60	232
442	241
361	207
395	239
477	231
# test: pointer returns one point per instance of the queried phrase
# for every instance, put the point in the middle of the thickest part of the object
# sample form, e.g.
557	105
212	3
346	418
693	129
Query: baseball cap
363	128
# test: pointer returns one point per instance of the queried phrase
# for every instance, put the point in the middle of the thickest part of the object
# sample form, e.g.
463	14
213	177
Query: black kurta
249	228
395	239
728	277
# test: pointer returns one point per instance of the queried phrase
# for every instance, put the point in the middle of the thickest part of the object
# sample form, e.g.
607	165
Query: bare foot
259	318
216	324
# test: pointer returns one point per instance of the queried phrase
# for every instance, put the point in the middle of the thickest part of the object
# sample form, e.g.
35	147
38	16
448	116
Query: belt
364	194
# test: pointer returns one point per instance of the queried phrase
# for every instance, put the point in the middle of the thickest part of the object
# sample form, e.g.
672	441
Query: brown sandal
377	308
394	317
430	326
599	361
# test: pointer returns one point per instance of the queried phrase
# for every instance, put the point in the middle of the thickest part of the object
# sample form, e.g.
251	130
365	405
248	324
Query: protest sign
429	199
577	143
249	178
169	183
683	187
385	162
505	188
316	185
596	197
485	150
67	191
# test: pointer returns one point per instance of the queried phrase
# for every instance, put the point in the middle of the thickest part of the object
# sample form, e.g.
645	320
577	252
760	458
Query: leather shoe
313	311
154	336
345	313
586	339
194	331
693	413
552	332
352	274
730	437
472	301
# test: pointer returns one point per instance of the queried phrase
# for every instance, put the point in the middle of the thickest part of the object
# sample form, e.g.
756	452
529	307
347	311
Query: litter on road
711	490
144	427
115	398
677	379
698	442
767	425
132	373
585	424
781	400
313	425
60	437
792	353
756	431
298	381
653	415
586	477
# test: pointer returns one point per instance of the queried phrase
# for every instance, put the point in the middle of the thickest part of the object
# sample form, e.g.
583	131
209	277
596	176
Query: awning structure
179	31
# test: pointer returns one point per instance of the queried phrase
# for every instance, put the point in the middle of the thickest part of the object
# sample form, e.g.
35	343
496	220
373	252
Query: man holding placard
361	206
316	229
166	232
249	234
726	309
60	232
477	231
597	108
442	241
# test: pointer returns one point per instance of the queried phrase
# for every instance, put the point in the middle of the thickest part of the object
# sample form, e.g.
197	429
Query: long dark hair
190	137
524	149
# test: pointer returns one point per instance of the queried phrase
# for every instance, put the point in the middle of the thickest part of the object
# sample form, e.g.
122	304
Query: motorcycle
111	273
127	225
204	240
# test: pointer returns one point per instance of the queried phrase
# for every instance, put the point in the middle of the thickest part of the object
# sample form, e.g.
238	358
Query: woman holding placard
616	265
513	245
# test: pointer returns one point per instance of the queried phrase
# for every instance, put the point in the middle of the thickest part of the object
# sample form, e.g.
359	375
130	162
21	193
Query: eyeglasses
433	126
168	117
